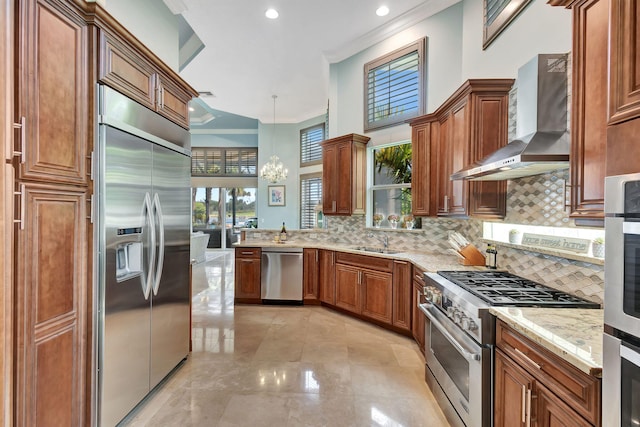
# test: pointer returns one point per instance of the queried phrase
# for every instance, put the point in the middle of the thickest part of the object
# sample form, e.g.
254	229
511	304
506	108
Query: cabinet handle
23	206
523	395
246	253
528	423
446	203
91	209
162	96
22	125
527	358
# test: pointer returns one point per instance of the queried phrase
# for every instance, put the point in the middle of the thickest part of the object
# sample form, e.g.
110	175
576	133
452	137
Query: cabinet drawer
248	252
576	388
365	261
418	276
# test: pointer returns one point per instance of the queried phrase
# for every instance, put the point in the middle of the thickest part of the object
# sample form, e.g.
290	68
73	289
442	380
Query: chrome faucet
384	239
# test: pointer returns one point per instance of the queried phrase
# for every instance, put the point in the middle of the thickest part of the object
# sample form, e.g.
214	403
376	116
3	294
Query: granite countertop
427	261
574	334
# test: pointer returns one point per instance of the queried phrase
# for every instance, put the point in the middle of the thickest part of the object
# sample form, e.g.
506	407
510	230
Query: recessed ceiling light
271	14
382	11
192	109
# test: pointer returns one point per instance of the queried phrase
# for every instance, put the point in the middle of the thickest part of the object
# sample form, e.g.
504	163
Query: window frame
317	161
222	151
304	177
421	47
371	187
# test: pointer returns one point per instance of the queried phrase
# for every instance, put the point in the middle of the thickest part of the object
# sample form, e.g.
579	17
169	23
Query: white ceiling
248	58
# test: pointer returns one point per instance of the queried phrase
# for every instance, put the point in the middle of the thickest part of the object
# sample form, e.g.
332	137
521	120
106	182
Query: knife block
472	256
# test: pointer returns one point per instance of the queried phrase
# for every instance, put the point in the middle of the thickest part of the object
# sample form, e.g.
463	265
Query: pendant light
273	171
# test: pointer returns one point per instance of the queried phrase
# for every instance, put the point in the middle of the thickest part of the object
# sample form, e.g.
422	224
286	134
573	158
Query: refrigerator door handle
148	212
157	207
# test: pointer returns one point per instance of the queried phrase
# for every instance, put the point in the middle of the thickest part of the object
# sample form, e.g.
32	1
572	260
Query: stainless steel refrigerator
142	177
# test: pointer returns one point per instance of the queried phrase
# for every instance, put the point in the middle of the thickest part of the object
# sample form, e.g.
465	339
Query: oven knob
457	317
450	311
469	324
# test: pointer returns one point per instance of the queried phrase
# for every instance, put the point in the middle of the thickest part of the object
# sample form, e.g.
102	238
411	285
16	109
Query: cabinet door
553	412
51	307
344	178
624	88
126	71
247	278
327	277
310	278
418	318
348	280
488	199
513	388
421	169
589	109
443	170
53	93
459	158
329	179
377	293
173	102
401	295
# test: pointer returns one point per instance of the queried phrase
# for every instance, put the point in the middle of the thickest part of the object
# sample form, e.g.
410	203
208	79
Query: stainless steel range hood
543	142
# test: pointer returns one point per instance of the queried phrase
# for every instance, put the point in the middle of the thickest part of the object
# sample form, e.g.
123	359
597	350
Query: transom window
390	187
395	86
224	162
310	149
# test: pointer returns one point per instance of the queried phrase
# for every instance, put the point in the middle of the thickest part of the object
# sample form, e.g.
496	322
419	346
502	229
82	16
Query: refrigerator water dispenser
128	260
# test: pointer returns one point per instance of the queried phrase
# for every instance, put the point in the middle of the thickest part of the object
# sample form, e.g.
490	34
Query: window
310	197
395	86
224	162
310	149
390	187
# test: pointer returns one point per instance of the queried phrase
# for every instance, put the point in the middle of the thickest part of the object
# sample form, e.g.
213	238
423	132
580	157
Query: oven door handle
473	357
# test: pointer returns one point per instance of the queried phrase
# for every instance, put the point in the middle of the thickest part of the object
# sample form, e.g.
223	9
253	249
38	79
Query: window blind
493	9
221	162
310	139
310	196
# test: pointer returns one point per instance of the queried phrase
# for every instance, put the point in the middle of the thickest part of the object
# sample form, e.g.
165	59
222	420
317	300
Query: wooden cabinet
52	280
471	124
418	318
327	276
364	285
424	136
402	290
344	171
310	277
623	151
553	392
128	71
589	109
513	388
247	275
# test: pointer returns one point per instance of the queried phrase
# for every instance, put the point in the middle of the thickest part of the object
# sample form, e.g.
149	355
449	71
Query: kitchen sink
376	250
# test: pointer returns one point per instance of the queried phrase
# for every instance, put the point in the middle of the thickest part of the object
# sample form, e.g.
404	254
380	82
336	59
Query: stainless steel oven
621	351
459	366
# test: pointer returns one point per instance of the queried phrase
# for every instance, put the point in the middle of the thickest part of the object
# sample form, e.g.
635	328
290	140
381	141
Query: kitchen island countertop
574	334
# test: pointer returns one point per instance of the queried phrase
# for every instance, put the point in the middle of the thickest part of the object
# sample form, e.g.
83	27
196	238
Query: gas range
465	297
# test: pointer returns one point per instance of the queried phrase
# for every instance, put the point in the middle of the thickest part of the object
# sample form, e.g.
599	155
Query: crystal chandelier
273	171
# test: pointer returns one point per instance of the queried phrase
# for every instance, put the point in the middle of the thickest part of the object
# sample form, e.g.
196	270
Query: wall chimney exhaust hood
543	142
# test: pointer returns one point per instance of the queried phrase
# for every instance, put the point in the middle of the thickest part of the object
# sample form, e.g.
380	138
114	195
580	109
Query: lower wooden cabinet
247	275
418	318
327	276
310	277
402	290
376	288
534	387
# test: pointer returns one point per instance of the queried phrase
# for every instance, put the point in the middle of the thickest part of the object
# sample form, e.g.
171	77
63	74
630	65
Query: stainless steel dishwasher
281	275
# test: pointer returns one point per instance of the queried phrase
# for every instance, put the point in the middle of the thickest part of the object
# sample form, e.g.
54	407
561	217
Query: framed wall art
276	195
498	14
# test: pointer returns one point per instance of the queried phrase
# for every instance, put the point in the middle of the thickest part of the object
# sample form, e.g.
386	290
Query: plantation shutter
310	149
310	196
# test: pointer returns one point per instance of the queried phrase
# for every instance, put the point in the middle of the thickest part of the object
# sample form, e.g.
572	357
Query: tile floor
287	366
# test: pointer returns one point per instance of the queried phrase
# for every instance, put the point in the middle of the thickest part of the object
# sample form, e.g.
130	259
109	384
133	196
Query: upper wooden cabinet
53	94
344	174
468	126
123	68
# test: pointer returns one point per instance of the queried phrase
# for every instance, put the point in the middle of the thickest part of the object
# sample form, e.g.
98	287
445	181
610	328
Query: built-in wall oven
621	354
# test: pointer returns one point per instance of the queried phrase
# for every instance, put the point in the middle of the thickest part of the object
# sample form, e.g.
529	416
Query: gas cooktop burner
502	288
